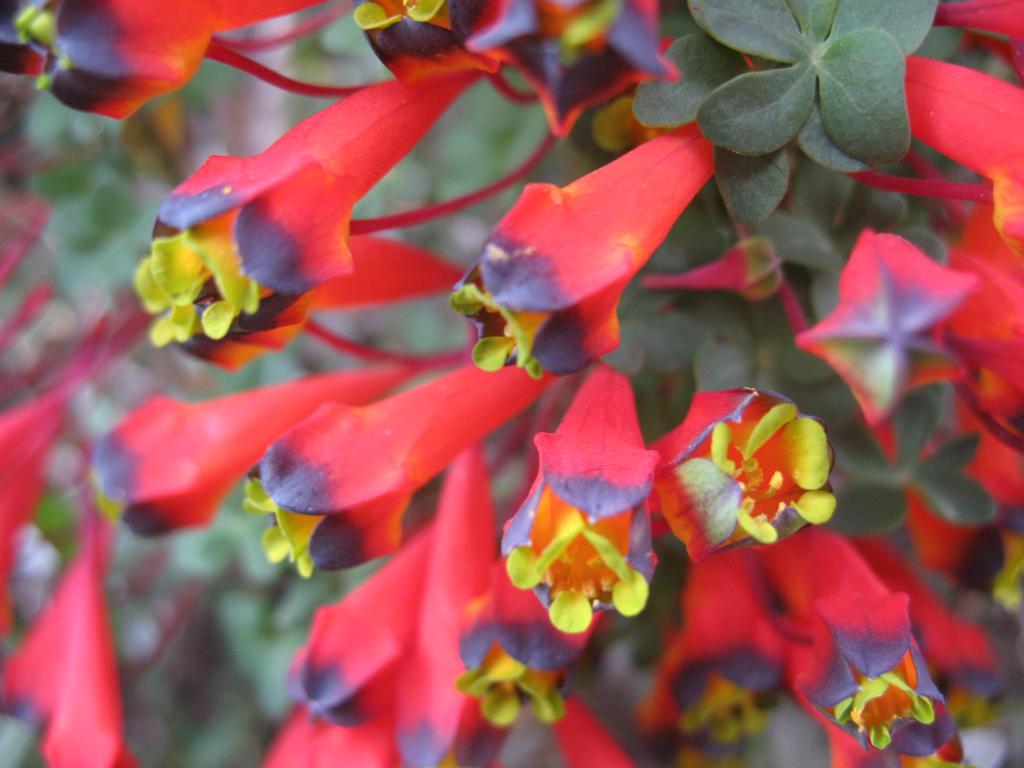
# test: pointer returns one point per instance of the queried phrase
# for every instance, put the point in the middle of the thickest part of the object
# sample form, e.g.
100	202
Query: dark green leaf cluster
921	464
827	74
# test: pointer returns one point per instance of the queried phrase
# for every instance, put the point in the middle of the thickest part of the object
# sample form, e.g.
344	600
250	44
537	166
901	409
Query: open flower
974	119
418	38
864	670
880	337
743	467
64	672
383	271
514	656
543	294
958	651
170	464
575	54
244	236
582	538
112	56
345	475
716	677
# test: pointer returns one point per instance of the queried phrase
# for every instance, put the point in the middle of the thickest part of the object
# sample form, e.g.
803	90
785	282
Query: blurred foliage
206	627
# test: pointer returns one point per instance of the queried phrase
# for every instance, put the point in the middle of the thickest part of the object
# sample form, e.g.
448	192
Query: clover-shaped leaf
947	491
759	112
764	28
908	22
703	65
863	102
814	16
817	145
752	187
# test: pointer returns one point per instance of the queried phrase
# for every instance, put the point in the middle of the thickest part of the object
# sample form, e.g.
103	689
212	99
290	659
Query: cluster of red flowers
433	657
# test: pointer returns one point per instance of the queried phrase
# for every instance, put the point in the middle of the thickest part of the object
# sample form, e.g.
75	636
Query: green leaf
764	28
869	508
914	422
955	498
952	456
752	187
907	21
817	145
759	112
703	66
798	242
815	16
947	491
859	454
862	96
723	366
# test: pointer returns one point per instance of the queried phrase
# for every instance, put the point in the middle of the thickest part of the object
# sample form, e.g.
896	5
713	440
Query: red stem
218	51
955	209
30	228
948	190
374	354
307	26
437	210
30	306
509	91
791	306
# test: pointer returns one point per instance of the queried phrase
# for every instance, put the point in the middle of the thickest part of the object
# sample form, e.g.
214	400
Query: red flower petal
891	297
171	464
65	670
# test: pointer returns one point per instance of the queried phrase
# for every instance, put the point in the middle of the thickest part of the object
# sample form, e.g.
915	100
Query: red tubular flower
513	655
584	742
957	650
582	538
544	292
880	336
65	674
989	342
383	271
576	55
974	119
751	268
306	742
716	676
170	464
418	39
336	674
27	433
1004	17
351	471
112	56
411	648
743	467
435	719
864	671
243	236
